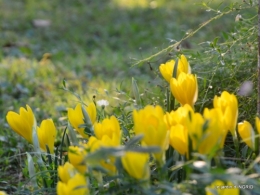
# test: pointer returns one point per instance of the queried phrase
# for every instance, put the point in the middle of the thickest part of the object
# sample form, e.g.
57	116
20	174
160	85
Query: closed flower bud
185	88
247	133
22	123
137	165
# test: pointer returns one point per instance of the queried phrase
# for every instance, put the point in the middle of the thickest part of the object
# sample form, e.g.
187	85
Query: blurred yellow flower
77	185
229	107
22	123
177	124
76	117
214	133
66	172
247	133
46	135
178	117
167	68
150	122
3	193
76	156
219	187
185	88
136	165
110	127
94	144
206	132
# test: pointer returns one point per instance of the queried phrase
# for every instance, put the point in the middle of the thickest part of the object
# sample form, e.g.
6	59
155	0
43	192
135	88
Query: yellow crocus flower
247	133
94	144
22	123
136	165
46	135
76	156
66	172
149	122
177	124
229	106
110	127
167	68
219	187
185	88
213	134
76	117
77	185
206	132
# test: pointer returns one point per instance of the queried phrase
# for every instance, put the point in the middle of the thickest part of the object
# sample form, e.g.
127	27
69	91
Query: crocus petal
179	138
47	134
66	172
92	112
257	124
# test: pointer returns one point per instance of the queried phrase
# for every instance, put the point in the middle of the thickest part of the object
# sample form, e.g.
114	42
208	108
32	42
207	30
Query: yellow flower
177	124
149	122
214	133
22	123
77	185
110	127
179	138
137	165
247	133
195	123
76	117
66	172
206	132
185	88
46	135
178	117
94	144
2	193
167	68
257	124
229	107
219	187
76	156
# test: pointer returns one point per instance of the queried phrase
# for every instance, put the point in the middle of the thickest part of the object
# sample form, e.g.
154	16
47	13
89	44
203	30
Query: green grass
93	45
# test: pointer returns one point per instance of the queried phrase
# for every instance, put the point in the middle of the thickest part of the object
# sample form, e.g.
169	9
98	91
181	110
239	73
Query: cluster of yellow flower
205	132
107	134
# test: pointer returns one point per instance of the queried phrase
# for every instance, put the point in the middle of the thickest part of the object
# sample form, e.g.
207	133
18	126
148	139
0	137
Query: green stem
236	143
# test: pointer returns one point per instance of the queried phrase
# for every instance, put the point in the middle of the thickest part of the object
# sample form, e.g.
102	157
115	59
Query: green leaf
31	170
72	135
136	94
133	141
88	124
